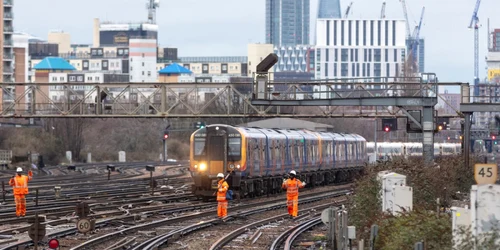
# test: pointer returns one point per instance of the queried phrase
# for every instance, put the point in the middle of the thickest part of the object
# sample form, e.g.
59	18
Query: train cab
214	149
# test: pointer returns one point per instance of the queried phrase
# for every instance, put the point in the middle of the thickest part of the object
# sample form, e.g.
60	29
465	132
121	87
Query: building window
377	55
211	67
142	54
336	55
149	73
387	70
364	33
92	65
97	78
344	69
356	51
371	32
327	32
386	55
376	70
379	32
335	70
105	64
335	32
72	78
142	72
342	33
142	64
112	64
131	68
357	32
368	70
395	55
393	33
349	29
327	55
131	77
54	79
61	78
89	78
326	70
131	59
344	55
386	33
224	67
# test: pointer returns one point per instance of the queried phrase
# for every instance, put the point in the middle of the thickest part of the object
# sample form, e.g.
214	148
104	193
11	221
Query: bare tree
68	133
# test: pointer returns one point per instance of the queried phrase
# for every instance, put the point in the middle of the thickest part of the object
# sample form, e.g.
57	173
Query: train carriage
257	158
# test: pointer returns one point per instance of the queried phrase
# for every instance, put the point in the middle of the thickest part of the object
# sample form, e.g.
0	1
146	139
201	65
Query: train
388	150
255	160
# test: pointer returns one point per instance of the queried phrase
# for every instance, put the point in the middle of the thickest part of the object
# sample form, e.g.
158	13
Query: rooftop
175	68
53	63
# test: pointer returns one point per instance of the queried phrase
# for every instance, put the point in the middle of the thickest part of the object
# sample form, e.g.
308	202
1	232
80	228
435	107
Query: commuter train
387	150
256	159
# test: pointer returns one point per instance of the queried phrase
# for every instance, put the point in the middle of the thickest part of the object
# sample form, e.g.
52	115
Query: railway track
183	225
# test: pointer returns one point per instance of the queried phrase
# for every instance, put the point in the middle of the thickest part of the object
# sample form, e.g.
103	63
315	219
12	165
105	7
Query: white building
143	60
349	48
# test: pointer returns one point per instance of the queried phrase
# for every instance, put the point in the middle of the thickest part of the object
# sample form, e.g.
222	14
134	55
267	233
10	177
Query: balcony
7	3
8	15
8	70
8	29
8	56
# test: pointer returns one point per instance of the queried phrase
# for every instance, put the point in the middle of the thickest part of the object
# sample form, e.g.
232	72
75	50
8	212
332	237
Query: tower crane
382	12
474	23
152	5
347	10
416	41
405	12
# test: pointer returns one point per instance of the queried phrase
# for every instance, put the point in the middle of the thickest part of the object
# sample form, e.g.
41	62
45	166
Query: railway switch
72	167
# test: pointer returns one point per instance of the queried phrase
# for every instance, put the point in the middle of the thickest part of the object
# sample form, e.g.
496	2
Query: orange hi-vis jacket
20	183
292	187
222	189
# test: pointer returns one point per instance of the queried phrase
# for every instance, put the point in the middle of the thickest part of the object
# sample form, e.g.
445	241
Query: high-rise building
420	52
348	48
329	9
287	22
7	29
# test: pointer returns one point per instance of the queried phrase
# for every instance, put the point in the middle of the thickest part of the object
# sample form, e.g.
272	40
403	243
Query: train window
234	147
199	146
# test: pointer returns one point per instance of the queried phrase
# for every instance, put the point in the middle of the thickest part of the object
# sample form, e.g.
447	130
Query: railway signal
37	230
199	125
53	244
387	129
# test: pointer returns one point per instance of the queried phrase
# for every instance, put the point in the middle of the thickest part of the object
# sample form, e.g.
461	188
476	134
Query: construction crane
347	10
405	12
152	5
416	41
382	12
474	23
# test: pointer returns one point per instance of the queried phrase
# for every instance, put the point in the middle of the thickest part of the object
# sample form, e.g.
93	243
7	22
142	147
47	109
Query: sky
225	27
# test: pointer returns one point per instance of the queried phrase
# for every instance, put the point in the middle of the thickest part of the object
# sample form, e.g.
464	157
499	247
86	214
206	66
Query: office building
287	22
143	58
119	34
348	48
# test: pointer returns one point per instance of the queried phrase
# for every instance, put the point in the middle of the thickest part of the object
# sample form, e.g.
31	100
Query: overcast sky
225	27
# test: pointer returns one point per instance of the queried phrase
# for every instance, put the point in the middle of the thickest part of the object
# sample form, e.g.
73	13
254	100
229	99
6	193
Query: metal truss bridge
204	100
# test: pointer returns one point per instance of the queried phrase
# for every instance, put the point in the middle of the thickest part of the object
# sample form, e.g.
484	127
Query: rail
299	230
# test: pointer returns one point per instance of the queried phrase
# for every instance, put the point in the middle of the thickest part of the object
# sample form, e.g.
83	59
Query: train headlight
238	166
231	166
203	167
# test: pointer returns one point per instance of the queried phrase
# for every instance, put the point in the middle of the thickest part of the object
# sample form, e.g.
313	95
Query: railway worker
292	185
221	196
20	186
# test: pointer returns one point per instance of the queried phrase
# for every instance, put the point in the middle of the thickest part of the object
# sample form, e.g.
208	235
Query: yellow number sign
485	173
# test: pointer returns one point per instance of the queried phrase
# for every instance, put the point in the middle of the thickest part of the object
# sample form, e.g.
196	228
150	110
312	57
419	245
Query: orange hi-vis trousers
20	204
222	208
293	205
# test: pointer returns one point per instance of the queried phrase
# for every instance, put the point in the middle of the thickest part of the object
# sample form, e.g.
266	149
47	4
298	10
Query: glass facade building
329	9
287	22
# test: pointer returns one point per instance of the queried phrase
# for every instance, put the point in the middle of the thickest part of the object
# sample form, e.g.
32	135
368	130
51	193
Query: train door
217	154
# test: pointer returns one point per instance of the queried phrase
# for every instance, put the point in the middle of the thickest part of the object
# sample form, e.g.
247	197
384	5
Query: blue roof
54	63
175	68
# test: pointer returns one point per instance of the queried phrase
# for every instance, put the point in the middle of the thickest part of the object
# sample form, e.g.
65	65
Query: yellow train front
256	159
215	149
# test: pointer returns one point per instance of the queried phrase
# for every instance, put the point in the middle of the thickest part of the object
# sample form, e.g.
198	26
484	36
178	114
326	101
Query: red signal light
493	137
53	244
387	129
165	136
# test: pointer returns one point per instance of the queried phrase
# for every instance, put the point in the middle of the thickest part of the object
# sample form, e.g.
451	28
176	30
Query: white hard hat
293	172
19	170
221	175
